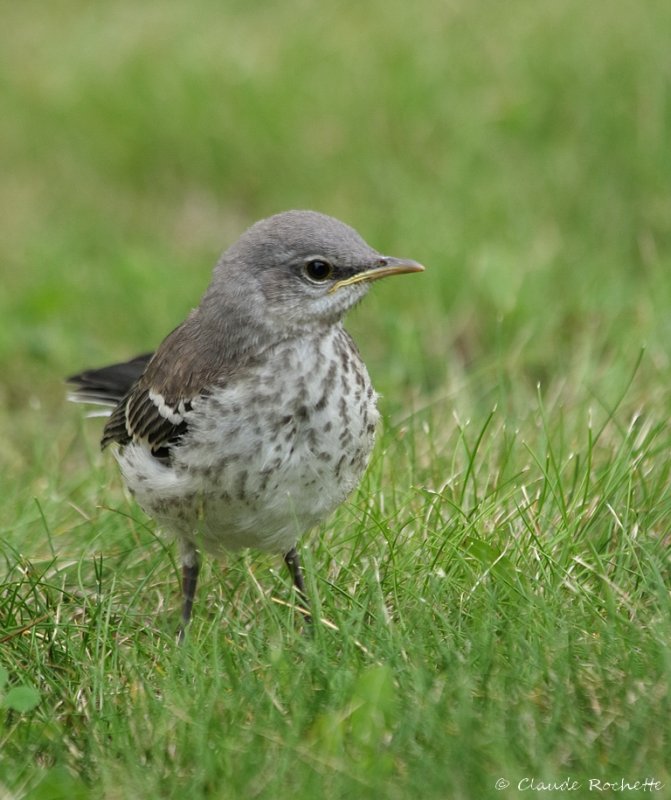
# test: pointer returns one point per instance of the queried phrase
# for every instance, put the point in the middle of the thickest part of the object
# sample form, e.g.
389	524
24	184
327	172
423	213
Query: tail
107	386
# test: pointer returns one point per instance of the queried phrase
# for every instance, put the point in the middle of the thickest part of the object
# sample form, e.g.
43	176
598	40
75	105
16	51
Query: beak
385	266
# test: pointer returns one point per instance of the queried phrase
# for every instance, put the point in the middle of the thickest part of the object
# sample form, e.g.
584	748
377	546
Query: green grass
495	596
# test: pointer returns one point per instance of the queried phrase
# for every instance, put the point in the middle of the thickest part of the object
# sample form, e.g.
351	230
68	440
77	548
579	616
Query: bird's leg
190	568
294	563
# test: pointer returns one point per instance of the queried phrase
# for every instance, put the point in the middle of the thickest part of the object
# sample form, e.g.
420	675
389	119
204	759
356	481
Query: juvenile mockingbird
255	418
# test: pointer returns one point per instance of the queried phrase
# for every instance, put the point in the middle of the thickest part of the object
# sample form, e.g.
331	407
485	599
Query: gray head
298	269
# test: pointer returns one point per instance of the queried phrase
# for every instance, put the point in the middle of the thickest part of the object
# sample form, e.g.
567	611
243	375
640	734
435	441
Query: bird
255	418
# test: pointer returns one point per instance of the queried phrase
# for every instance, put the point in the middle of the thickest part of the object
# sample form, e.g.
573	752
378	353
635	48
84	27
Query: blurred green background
520	150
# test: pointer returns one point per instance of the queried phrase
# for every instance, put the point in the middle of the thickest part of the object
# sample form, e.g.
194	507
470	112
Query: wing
156	408
145	415
139	413
153	394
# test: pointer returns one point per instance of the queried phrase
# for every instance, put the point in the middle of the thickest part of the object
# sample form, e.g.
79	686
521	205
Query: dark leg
190	568
294	563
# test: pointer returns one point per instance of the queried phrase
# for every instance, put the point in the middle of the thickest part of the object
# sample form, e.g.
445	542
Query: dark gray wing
140	413
153	394
147	415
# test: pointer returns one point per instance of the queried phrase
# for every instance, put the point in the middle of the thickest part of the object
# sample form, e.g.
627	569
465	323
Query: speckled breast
273	452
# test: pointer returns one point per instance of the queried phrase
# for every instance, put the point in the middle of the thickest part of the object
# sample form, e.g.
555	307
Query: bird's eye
318	270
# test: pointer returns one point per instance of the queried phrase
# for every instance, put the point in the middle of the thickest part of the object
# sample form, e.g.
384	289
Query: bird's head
300	269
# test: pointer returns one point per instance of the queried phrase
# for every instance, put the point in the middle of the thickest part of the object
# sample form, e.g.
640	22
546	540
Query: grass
496	593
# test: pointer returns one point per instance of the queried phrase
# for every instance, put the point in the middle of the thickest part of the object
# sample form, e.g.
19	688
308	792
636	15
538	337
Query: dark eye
318	270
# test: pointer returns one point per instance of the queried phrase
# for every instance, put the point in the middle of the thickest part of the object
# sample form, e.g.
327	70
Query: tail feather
107	386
